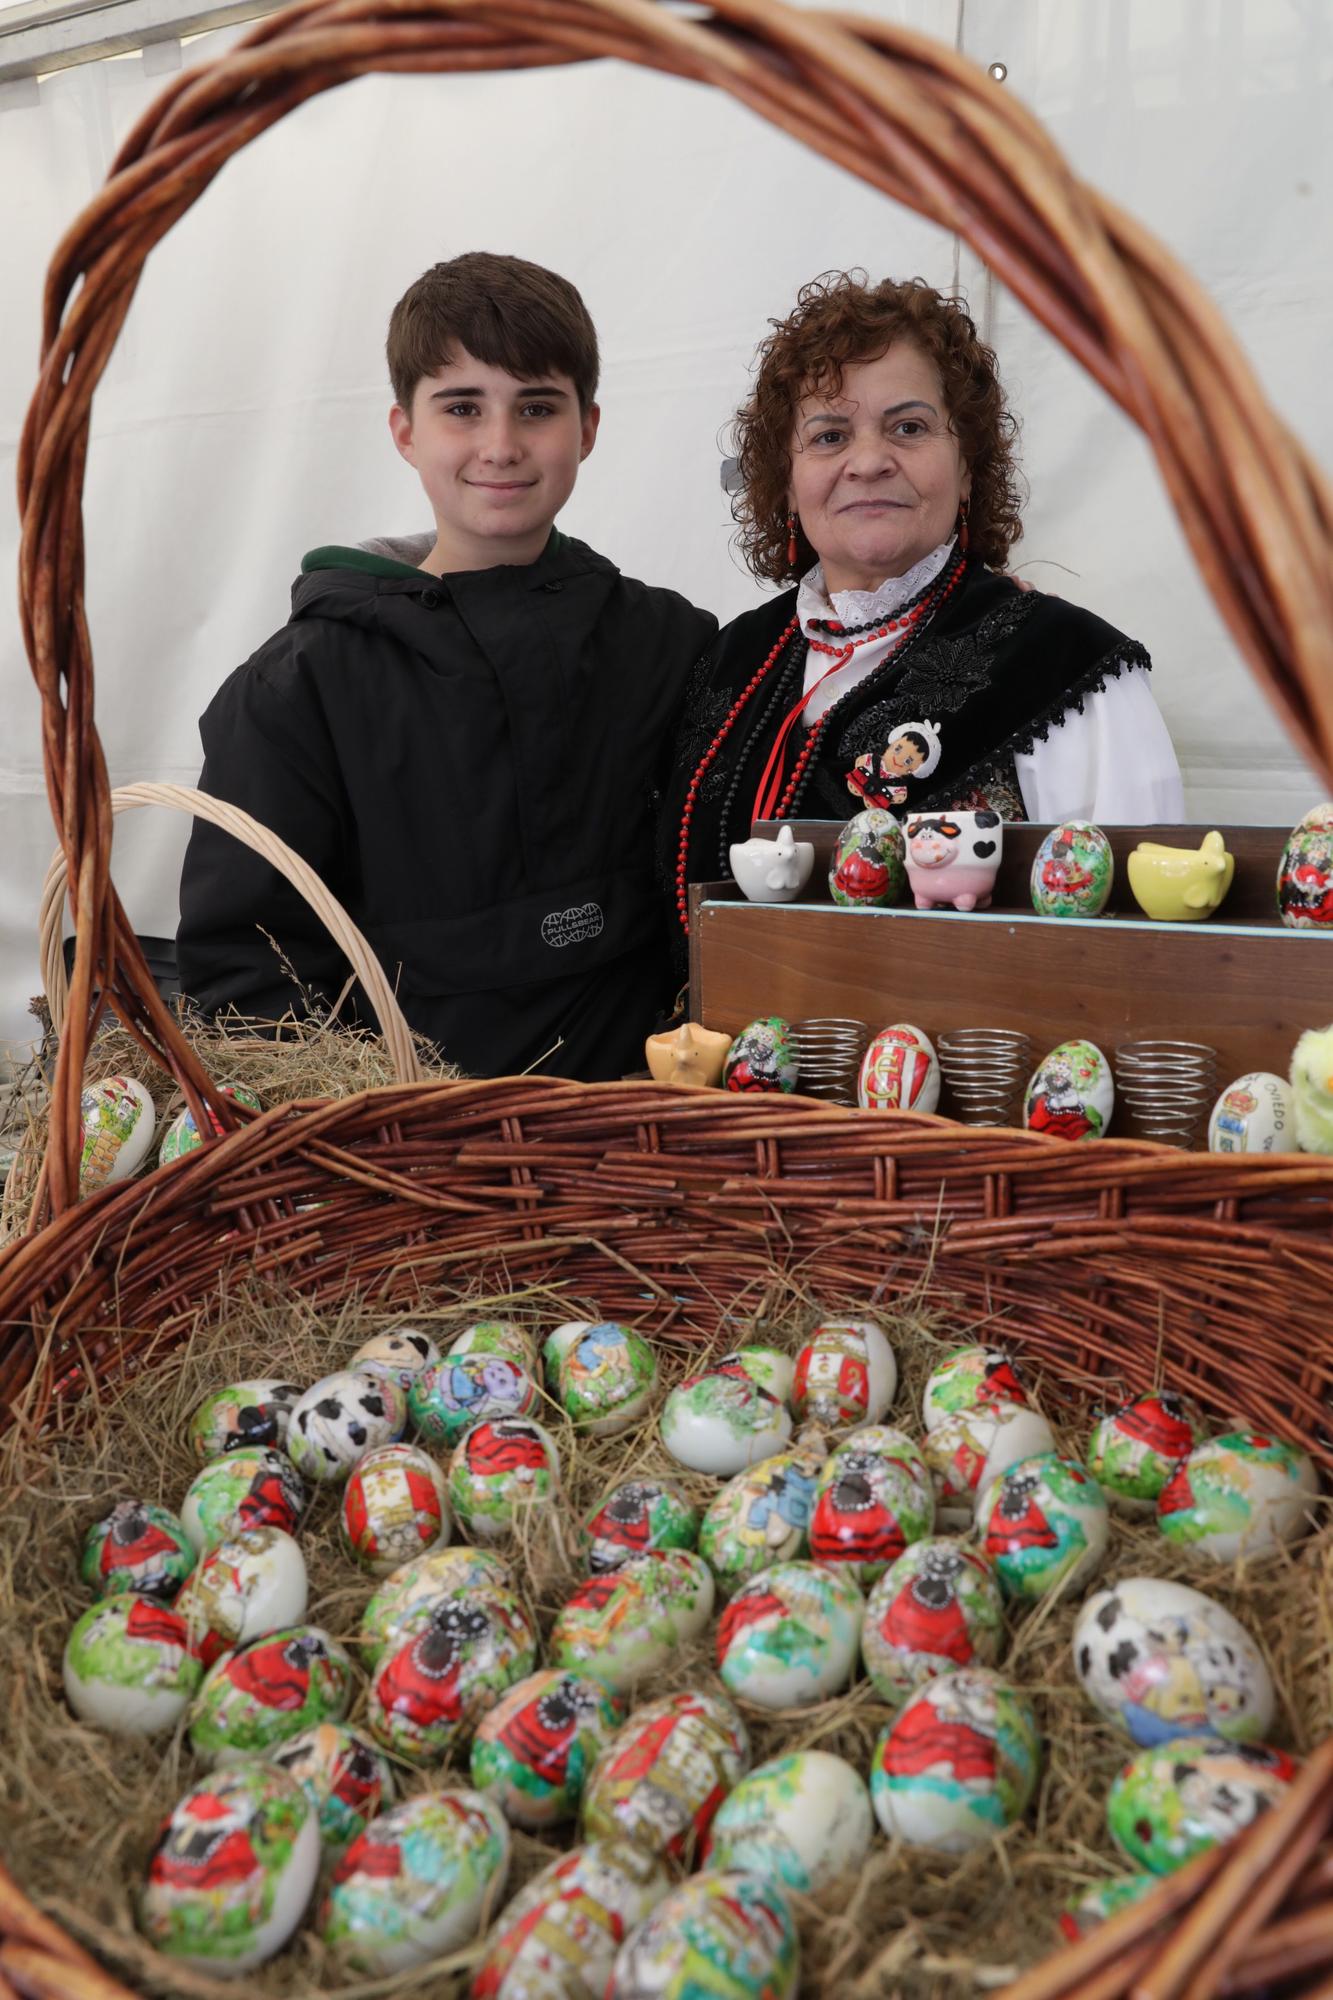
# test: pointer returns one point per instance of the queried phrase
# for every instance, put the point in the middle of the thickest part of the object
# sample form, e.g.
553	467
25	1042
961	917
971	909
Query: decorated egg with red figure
972	1378
762	1057
251	1487
137	1547
394	1507
447	1398
1071	1094
419	1883
900	1071
1178	1799
182	1134
874	1497
269	1692
1241	1494
503	1477
244	1413
958	1764
430	1693
1043	1525
253	1583
721	1421
790	1637
937	1609
128	1666
635	1516
1135	1449
340	1419
626	1625
969	1449
665	1772
1305	872
342	1774
846	1375
726	1933
869	867
401	1353
232	1871
404	1599
557	1938
534	1750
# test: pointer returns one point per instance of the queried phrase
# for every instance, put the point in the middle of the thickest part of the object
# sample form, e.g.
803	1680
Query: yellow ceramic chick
1312	1090
1179	885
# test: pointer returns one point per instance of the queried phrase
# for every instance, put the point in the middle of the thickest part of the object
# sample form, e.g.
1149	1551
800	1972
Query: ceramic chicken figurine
689	1055
1312	1090
1180	885
772	871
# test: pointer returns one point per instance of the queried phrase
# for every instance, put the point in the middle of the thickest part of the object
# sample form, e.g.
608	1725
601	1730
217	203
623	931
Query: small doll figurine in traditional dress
911	752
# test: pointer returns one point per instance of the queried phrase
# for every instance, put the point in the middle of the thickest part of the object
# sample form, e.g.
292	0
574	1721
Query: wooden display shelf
1240	981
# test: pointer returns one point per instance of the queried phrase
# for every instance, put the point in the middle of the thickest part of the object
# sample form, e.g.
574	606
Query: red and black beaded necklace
774	800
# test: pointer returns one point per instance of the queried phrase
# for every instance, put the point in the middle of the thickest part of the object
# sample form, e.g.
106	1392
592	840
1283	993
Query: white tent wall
242	417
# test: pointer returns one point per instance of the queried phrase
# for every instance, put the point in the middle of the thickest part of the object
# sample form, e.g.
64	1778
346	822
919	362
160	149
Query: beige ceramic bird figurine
688	1056
1312	1090
1179	885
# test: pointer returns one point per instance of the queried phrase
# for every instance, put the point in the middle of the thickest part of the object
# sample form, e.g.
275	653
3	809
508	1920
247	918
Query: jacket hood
372	584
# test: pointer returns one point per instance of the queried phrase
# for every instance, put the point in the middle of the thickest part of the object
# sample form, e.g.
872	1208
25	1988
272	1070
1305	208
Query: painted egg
603	1375
137	1547
232	1871
625	1625
762	1057
394	1507
557	1939
726	1935
804	1820
244	1413
253	1583
790	1637
182	1135
722	1421
341	1418
635	1516
498	1336
958	1764
869	861
846	1375
1183	1797
1241	1494
1305	872
446	1400
761	1517
1071	1094
342	1774
252	1487
269	1692
972	1378
401	1353
432	1690
665	1772
1253	1115
1072	871
128	1666
1163	1660
503	1477
900	1071
534	1750
1086	1913
874	1497
1044	1526
1135	1449
118	1119
770	1367
418	1883
936	1609
396	1606
966	1451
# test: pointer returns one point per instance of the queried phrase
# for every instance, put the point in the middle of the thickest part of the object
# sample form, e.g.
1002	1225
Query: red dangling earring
962	527
791	541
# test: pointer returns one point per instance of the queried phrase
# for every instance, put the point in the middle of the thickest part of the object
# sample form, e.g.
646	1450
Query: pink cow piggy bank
952	858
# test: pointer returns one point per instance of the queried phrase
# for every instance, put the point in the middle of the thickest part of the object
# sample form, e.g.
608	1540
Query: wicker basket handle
183	798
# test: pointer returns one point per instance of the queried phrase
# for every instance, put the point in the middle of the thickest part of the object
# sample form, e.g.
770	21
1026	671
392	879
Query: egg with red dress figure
958	1764
727	1919
341	1418
972	1378
869	867
137	1547
557	1938
252	1583
936	1609
900	1071
969	1449
534	1750
1134	1450
252	1487
430	1692
874	1497
634	1516
626	1625
665	1772
1071	1094
346	1779
789	1638
401	1353
846	1375
268	1692
762	1057
404	1598
1043	1525
1244	1493
394	1507
128	1666
1305	872
503	1477
418	1884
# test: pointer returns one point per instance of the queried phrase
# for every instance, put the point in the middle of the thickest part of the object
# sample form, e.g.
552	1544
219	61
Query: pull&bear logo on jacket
573	926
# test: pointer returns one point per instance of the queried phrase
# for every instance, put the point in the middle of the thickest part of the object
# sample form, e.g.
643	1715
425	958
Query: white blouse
1112	761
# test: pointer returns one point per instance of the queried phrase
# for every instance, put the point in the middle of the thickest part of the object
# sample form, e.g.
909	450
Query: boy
463	734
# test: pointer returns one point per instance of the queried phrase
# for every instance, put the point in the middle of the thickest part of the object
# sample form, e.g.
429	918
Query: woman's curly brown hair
841	318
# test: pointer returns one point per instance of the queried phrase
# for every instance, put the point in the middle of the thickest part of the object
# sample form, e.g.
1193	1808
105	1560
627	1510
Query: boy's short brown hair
507	312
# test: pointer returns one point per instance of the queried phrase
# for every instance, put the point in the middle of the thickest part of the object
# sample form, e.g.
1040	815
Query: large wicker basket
672	1206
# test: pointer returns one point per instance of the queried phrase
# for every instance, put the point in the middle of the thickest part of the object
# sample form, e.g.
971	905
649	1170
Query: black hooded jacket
472	764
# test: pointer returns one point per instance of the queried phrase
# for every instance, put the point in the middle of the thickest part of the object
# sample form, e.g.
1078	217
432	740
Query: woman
900	668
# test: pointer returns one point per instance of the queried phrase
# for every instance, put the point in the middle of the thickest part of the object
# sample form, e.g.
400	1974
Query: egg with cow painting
972	1378
268	1692
1244	1493
958	1764
534	1750
761	1517
762	1057
405	1597
727	1936
1135	1449
117	1118
557	1938
1163	1660
635	1516
231	1871
665	1772
602	1374
790	1637
721	1421
1178	1799
341	1418
401	1354
1043	1525
874	1497
937	1608
625	1626
900	1071
969	1449
394	1507
1071	1094
846	1375
803	1820
251	1487
344	1776
254	1582
868	869
447	1397
503	1477
419	1883
128	1666
244	1413
137	1547
447	1671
